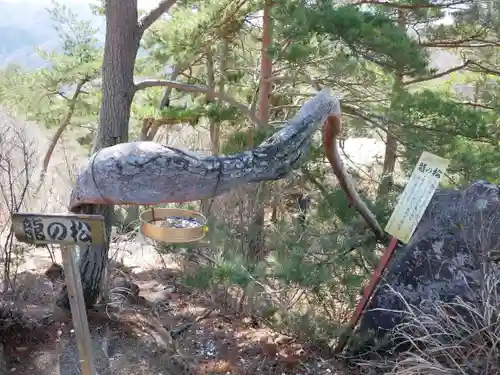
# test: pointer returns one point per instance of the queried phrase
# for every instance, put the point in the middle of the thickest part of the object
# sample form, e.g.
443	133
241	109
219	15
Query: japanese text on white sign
416	196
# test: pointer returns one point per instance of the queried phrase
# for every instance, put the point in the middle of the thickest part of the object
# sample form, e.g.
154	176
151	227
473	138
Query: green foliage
335	202
13	81
357	51
202	279
46	95
219	112
194	28
216	112
295	267
239	140
99	8
465	134
319	263
369	35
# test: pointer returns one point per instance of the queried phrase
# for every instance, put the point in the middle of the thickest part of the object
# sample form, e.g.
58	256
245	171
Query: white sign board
416	196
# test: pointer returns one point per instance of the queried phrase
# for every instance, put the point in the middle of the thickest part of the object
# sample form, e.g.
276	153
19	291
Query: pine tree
63	93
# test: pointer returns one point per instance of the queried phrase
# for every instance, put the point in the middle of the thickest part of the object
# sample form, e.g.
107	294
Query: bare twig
17	164
438	75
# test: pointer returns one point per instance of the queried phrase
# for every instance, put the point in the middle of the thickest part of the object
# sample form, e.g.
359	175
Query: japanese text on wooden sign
58	229
68	231
416	196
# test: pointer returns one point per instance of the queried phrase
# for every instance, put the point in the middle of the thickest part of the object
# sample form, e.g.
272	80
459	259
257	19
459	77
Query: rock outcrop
458	233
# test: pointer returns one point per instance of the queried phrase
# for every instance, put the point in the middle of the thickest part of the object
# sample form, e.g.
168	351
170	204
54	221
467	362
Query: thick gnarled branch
331	130
149	173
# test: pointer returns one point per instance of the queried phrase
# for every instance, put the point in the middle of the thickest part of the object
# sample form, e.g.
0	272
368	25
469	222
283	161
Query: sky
37	11
143	4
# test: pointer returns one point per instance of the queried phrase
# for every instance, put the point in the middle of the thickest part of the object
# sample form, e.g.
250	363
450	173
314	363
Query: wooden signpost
404	220
67	231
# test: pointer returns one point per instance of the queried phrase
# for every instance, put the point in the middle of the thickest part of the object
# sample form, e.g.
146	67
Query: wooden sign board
58	229
416	196
68	231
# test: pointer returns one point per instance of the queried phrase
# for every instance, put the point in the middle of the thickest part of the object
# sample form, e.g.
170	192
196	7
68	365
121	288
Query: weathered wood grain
78	311
62	229
149	173
67	231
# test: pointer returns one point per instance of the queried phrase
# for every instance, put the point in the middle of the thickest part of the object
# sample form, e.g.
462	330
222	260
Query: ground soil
218	342
223	342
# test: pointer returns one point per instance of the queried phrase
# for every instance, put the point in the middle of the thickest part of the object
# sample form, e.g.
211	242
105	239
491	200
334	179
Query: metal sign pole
411	206
68	231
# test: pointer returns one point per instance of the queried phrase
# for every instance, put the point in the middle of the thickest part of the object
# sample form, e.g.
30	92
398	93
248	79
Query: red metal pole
367	293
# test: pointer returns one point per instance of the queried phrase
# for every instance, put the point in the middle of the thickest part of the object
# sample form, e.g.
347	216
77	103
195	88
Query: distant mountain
25	24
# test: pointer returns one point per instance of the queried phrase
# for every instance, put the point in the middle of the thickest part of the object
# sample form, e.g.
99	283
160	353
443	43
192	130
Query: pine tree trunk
60	130
205	203
165	100
391	142
120	50
256	228
390	156
215	130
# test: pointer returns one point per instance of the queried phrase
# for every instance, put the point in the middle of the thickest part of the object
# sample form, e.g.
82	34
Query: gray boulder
458	232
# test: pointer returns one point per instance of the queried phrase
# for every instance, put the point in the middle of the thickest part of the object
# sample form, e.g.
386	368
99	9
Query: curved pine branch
149	173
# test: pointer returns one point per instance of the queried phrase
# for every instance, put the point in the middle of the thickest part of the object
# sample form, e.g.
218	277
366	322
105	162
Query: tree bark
60	130
391	142
149	173
256	227
205	203
123	33
165	100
